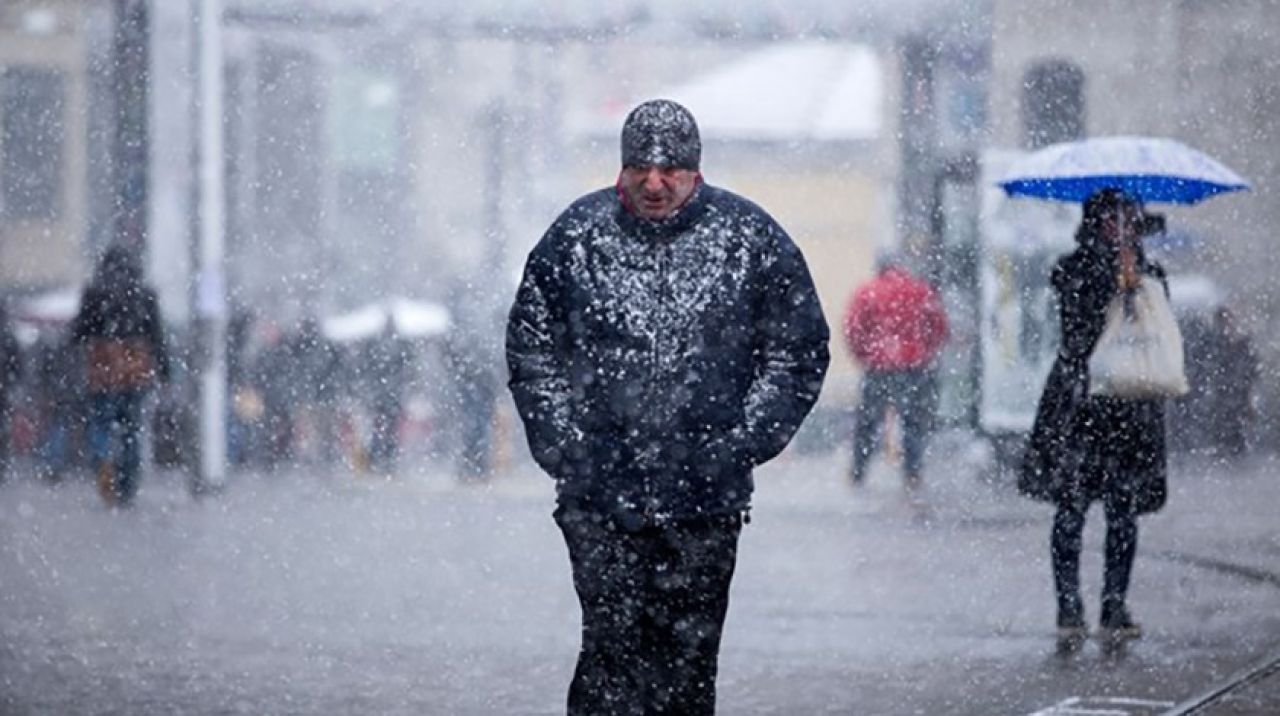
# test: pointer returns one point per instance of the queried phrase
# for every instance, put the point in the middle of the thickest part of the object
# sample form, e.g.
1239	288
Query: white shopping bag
1139	354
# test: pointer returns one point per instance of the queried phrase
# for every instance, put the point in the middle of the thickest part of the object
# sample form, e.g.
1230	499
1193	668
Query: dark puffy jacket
655	363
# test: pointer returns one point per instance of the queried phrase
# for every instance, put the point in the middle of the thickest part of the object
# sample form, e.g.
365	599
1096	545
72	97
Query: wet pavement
319	592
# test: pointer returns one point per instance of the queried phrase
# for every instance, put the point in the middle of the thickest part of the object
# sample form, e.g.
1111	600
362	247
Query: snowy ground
327	593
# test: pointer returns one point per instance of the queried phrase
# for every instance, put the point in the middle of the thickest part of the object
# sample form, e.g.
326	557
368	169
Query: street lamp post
210	285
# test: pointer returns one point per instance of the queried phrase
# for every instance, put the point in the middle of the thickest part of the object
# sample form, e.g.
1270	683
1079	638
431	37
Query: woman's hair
1097	208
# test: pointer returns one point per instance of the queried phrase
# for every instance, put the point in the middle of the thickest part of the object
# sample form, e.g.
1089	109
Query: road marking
1103	706
1239	680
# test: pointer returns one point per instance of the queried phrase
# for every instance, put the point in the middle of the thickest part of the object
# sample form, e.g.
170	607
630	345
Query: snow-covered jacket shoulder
654	363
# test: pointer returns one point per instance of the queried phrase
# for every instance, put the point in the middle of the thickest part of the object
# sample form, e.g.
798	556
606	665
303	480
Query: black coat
10	361
1082	447
123	309
655	363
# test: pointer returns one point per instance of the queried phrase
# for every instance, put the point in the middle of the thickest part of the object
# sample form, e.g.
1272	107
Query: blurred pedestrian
311	382
244	407
1084	448
274	385
1234	369
666	338
895	327
10	374
120	327
386	365
60	387
472	355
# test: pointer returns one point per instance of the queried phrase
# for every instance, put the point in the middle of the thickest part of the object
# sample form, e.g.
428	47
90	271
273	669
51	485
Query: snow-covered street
314	594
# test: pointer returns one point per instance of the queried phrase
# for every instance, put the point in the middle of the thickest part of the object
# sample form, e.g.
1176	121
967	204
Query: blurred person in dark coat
120	327
386	367
666	338
472	353
1235	369
60	385
1087	448
10	374
273	386
312	381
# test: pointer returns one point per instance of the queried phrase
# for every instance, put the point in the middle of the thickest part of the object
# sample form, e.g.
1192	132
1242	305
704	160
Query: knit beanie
661	133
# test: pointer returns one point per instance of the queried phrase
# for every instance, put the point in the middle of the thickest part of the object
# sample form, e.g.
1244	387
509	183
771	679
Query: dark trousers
911	393
653	606
1121	546
117	417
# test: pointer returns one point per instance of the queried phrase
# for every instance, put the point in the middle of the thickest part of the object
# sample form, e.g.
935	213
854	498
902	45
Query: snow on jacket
655	363
895	322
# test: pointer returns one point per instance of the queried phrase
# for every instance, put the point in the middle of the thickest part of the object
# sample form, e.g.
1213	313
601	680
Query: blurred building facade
376	154
45	157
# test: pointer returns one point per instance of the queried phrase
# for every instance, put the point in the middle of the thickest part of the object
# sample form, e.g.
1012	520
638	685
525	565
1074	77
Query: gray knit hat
661	133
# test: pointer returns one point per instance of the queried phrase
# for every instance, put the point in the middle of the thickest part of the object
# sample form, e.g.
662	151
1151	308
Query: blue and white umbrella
1146	168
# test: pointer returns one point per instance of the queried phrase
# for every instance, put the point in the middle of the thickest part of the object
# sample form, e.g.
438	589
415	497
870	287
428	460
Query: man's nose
653	179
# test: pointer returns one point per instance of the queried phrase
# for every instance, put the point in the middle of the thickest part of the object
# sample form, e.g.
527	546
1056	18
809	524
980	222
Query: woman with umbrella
1086	447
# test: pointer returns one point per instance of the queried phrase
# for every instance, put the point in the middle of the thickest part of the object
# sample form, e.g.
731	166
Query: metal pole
495	117
211	299
130	149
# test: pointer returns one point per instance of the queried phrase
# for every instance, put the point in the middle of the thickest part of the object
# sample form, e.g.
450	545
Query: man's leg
611	579
129	415
102	426
695	568
868	422
915	401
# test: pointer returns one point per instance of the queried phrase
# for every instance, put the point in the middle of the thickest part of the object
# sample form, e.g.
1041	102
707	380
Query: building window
1052	103
32	133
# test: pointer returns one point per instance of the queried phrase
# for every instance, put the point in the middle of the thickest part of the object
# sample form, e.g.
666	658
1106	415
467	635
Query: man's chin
654	214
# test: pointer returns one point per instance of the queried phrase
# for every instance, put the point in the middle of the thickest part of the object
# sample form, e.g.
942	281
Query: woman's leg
1121	547
1065	543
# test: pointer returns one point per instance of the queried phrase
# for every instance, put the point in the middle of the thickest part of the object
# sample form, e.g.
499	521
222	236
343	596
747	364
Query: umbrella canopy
53	307
411	319
1146	168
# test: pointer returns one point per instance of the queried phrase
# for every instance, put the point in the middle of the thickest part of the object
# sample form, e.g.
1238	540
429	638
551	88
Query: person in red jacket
895	326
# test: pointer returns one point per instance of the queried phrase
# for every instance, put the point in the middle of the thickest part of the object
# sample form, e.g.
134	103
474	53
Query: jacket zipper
664	260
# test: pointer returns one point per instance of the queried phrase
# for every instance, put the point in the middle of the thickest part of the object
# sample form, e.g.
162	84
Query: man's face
656	192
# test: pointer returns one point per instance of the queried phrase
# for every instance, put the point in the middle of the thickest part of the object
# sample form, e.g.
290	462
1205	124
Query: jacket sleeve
537	358
86	324
791	354
857	326
156	337
1083	294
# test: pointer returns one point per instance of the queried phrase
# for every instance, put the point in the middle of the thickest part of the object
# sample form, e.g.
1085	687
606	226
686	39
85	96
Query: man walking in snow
666	338
895	326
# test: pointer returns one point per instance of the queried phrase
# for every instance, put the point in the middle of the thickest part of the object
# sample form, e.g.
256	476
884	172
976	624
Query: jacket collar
664	229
